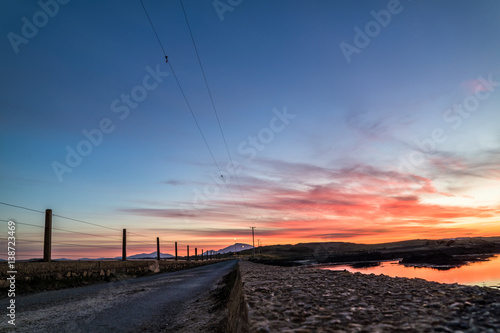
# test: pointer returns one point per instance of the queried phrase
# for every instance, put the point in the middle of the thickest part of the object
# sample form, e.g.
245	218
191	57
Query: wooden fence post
158	248
188	253
175	251
124	245
195	254
47	241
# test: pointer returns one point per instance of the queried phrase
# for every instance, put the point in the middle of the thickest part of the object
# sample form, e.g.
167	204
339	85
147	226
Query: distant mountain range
229	249
233	248
331	250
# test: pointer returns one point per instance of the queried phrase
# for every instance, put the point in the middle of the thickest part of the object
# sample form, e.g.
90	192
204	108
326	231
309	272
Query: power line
80	221
95	224
21	207
133	233
212	101
59	229
31	225
84	246
63	217
180	87
84	233
60	216
186	99
70	244
152	26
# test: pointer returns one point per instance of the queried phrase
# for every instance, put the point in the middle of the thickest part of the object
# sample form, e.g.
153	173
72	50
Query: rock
155	268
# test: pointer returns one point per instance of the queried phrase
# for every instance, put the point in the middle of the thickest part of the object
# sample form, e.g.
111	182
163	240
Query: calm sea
482	273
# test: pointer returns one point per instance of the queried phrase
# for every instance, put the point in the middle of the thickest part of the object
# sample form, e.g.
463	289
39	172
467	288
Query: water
481	273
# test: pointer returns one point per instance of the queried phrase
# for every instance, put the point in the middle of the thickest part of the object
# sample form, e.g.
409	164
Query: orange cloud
301	203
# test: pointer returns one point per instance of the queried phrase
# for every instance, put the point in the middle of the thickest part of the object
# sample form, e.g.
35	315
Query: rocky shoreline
445	252
299	299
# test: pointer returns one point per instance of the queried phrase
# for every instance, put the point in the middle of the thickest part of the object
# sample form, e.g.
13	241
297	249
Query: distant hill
151	255
327	252
342	251
232	248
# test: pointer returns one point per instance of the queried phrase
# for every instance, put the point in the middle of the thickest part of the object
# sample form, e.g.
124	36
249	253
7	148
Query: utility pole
253	241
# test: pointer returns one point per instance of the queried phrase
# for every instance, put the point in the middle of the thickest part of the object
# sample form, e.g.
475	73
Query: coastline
301	299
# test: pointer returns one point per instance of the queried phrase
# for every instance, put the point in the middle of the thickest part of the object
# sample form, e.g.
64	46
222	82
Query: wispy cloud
174	182
300	200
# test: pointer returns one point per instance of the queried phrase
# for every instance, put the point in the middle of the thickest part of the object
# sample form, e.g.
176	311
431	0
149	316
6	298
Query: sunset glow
476	273
400	141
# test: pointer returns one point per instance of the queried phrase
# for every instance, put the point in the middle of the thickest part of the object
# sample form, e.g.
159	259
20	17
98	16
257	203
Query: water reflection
483	273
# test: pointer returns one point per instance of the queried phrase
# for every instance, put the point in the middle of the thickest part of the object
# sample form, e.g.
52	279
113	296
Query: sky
353	121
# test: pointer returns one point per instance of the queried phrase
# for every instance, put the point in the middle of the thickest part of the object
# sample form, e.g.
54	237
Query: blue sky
332	171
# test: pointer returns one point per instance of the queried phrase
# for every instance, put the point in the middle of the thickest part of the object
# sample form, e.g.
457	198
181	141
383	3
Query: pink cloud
473	86
298	201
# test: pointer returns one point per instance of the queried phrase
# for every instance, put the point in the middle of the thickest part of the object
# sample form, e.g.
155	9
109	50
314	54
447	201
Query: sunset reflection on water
483	273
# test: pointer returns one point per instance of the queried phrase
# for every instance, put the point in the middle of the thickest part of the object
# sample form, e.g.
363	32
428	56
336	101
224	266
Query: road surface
146	304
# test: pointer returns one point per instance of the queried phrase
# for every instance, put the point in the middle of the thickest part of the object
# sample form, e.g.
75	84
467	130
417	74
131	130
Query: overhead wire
69	244
197	125
85	233
212	102
69	231
97	225
63	217
31	225
152	26
21	207
59	229
80	221
185	98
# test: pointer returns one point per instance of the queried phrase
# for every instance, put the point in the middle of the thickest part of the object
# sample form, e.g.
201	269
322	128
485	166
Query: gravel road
156	303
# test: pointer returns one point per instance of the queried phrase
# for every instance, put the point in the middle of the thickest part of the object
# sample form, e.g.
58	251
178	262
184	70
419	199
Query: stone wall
37	276
237	307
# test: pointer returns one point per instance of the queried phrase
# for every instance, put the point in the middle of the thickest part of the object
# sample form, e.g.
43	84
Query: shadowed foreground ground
168	302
